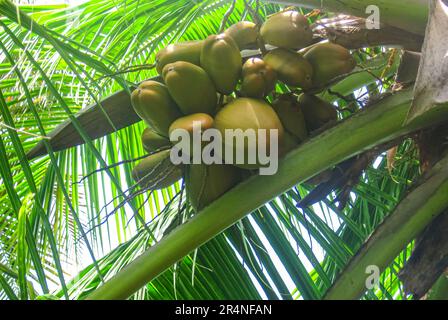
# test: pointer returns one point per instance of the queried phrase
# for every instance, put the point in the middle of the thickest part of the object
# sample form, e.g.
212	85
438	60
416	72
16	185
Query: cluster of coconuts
208	81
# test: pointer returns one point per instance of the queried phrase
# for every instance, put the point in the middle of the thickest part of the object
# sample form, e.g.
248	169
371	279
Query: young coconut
152	141
191	87
244	33
206	183
288	143
287	29
244	114
188	51
156	171
329	60
221	59
258	78
187	123
317	112
153	103
291	67
290	113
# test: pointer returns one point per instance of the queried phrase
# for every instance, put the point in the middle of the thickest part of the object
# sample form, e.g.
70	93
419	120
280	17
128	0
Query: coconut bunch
207	81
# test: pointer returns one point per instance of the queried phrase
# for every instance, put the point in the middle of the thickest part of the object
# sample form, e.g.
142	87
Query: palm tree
73	226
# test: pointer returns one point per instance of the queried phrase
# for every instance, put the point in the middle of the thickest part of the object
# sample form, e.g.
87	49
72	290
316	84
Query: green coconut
292	69
317	112
152	141
191	87
187	123
244	33
287	29
221	59
206	183
329	60
259	79
288	143
291	115
188	51
153	103
243	114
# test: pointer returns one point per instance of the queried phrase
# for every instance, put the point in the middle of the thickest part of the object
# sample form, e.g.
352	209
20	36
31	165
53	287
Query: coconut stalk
404	224
376	125
409	15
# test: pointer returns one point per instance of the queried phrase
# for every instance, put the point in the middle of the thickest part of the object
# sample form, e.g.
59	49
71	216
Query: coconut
244	33
221	59
291	116
244	114
152	141
287	29
191	87
188	51
187	123
258	78
329	60
317	112
288	143
153	103
292	69
206	183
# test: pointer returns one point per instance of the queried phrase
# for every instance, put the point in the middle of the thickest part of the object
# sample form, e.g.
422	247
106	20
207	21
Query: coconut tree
356	211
